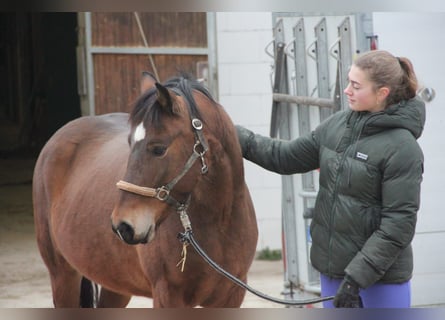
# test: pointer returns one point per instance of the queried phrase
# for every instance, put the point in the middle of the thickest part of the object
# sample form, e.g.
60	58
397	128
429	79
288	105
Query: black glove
348	294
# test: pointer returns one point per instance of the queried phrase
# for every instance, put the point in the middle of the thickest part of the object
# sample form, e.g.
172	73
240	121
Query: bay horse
177	151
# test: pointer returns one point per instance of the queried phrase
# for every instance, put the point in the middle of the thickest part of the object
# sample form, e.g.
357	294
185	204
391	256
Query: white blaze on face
139	133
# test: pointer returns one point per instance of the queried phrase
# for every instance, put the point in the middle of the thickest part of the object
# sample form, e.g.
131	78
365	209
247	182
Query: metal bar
363	29
337	90
301	75
280	124
345	58
321	56
307	179
313	275
212	54
90	68
149	50
279	67
308	194
302	90
81	76
280	79
310	101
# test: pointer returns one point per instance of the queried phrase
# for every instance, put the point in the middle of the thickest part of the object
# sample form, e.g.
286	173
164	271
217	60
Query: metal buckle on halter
162	193
197	124
204	167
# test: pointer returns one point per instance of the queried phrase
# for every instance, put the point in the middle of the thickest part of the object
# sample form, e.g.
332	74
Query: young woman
371	170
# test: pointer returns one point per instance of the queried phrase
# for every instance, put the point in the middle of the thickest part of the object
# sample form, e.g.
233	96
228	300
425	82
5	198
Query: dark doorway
38	87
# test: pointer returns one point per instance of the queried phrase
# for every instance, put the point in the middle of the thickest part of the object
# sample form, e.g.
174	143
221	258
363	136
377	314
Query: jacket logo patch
362	156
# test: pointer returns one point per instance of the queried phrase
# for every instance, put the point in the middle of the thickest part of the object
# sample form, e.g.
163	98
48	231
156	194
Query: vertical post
302	90
211	55
280	79
308	186
322	60
280	125
345	58
89	64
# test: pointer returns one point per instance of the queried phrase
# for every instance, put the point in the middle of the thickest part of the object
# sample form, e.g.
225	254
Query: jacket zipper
335	193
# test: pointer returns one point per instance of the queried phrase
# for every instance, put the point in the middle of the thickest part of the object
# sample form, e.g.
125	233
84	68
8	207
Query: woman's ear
383	93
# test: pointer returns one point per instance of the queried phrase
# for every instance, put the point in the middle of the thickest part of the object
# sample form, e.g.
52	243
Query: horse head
167	157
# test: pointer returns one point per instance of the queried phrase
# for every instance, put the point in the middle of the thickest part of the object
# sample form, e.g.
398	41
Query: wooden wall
116	76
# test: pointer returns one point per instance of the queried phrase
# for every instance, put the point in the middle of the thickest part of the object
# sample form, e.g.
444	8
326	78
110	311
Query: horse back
78	143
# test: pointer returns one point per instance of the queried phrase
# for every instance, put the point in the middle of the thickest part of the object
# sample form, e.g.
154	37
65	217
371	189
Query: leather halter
163	193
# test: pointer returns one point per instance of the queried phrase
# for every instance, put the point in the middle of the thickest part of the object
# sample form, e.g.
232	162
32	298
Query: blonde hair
386	70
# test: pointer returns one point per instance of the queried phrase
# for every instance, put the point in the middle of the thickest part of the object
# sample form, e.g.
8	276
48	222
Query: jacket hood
408	115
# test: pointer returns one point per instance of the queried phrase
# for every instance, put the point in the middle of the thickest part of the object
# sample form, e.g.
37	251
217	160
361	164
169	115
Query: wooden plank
166	29
117	77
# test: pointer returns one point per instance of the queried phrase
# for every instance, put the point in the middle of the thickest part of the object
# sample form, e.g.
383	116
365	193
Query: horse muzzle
127	234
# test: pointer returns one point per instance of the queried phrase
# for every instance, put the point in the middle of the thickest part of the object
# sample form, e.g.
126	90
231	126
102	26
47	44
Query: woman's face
361	93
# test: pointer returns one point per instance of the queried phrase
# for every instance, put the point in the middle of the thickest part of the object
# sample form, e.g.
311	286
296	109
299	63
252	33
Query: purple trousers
379	295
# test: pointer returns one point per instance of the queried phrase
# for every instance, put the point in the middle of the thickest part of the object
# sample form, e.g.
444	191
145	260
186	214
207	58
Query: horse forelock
147	111
184	86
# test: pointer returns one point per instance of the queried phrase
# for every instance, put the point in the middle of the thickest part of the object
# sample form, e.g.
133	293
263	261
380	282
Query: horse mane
146	109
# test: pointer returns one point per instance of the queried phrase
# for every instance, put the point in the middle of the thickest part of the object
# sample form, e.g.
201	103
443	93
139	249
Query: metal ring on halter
162	193
195	150
197	124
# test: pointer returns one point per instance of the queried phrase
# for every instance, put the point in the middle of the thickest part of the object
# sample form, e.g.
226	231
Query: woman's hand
348	295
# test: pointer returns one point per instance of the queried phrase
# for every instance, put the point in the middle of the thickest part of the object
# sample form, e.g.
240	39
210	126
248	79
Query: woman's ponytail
409	82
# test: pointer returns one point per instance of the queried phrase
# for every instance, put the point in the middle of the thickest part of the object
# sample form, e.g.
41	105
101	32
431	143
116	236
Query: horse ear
147	82
164	97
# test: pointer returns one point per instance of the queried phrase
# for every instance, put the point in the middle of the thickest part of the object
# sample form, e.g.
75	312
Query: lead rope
187	238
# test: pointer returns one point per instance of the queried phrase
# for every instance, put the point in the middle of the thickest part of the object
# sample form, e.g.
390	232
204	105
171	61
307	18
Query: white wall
420	37
245	92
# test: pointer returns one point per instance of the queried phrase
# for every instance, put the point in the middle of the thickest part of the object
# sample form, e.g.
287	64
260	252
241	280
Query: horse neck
219	191
224	184
223	143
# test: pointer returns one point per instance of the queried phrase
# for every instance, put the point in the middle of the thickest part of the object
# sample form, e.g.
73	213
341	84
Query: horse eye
158	150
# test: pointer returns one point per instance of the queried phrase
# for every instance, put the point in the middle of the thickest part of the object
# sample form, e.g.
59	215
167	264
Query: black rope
187	236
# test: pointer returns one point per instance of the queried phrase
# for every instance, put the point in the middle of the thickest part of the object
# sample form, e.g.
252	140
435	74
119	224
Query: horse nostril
125	232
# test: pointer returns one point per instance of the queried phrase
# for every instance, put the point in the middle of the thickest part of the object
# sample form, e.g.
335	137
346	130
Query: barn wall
245	91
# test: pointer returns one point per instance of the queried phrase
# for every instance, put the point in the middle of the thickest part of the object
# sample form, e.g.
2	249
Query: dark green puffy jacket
371	170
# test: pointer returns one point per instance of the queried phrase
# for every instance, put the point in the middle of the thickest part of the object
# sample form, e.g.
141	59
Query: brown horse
176	153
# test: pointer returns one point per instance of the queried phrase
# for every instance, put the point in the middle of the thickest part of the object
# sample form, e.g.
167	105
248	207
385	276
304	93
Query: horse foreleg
65	284
111	299
166	296
65	281
233	298
225	297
